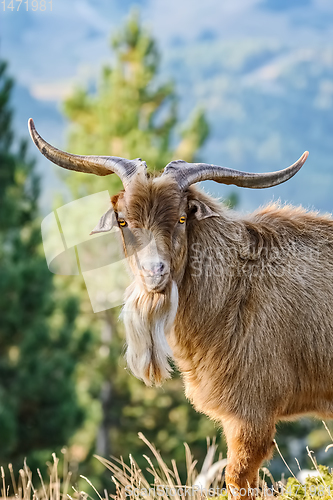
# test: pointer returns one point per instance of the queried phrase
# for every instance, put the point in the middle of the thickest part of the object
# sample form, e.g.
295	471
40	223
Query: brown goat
245	303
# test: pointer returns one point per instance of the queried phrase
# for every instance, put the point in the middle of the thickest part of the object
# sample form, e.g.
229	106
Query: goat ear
106	222
200	210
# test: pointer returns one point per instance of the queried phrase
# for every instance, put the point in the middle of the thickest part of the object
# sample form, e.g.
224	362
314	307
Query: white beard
148	318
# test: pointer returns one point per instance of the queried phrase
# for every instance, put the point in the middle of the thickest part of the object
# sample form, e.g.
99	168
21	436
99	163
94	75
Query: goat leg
248	446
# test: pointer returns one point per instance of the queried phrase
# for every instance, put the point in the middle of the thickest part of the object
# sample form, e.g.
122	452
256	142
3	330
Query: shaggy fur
253	331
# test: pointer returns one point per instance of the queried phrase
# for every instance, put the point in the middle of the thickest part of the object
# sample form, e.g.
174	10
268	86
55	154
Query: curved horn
98	165
189	173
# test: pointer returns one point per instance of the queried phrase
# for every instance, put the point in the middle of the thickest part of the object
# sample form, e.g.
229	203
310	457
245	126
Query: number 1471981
34	5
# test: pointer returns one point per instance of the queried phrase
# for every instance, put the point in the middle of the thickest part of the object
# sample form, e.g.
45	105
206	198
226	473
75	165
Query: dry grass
162	482
56	487
158	481
132	483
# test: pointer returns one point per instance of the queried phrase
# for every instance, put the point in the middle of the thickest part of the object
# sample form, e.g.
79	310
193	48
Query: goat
243	304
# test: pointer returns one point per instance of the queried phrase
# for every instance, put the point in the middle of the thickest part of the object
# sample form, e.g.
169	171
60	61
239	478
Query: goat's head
154	214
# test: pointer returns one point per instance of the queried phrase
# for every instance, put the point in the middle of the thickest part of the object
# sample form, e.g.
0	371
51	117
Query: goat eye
122	222
182	220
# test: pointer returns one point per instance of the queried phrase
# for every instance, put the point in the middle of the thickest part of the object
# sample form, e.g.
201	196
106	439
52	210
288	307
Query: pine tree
39	343
132	114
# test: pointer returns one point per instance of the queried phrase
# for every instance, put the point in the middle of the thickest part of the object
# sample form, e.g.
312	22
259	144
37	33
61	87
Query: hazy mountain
263	70
267	103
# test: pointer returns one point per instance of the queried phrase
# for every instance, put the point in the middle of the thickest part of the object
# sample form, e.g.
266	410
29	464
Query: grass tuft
161	482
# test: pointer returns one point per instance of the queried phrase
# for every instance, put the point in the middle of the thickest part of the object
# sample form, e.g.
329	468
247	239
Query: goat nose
154	269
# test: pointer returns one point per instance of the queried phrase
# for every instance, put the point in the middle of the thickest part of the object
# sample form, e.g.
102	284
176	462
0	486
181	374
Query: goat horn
98	165
190	173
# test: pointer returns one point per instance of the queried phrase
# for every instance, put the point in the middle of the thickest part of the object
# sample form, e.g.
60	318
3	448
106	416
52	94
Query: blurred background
246	84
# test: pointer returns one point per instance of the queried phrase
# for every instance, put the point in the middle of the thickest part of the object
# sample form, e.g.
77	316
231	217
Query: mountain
267	103
262	69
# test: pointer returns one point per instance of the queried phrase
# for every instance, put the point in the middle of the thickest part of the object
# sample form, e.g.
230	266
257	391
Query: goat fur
253	331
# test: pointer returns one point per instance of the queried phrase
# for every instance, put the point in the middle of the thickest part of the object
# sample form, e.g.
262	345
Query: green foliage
320	486
39	343
132	114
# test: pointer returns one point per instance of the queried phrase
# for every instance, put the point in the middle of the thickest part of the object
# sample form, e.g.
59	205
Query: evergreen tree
39	343
132	114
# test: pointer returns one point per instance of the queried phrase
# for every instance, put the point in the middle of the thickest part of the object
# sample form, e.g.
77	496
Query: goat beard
148	318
